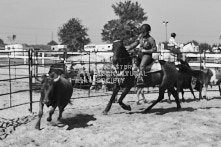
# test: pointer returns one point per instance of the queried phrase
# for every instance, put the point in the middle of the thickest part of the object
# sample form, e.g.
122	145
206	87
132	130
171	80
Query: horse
189	47
165	78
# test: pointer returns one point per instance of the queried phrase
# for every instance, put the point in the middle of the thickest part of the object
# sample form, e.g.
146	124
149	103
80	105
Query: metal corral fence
14	71
21	72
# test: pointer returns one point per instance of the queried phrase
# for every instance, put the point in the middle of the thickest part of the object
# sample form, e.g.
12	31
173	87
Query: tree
52	42
131	16
194	42
205	47
12	38
1	41
74	35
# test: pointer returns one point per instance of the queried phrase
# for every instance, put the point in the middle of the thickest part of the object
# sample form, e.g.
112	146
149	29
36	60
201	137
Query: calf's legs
37	126
51	112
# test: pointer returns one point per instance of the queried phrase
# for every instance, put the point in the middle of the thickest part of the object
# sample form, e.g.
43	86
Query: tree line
130	17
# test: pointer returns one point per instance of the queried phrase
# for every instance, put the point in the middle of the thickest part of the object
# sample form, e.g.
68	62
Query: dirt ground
197	124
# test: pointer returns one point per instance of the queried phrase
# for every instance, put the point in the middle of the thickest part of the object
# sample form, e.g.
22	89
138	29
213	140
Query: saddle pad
153	67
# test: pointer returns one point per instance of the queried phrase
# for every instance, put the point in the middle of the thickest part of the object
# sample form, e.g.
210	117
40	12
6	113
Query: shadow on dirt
186	100
77	121
215	98
209	108
162	111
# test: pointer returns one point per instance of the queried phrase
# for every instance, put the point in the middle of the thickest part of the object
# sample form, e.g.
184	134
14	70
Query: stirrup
140	81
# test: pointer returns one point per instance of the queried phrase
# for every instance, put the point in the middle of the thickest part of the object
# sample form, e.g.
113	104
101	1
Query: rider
172	41
172	45
147	47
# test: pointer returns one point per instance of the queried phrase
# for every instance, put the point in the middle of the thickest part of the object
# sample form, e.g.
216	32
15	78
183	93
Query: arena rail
35	59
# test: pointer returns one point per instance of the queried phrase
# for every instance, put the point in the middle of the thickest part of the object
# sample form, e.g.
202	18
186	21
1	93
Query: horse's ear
162	62
182	62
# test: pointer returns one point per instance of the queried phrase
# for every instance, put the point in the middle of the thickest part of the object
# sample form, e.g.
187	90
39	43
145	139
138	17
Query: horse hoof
37	127
178	108
145	102
146	110
168	101
138	103
104	112
49	119
127	107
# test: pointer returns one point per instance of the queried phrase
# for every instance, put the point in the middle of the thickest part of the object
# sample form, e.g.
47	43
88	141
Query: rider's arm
135	44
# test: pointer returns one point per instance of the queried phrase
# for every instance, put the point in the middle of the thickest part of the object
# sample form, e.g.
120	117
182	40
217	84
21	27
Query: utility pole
165	23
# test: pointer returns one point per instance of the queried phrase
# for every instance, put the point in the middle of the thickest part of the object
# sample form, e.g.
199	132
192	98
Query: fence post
36	64
64	62
89	75
10	85
43	60
30	76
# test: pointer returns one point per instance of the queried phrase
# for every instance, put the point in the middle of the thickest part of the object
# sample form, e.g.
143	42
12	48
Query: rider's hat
173	34
145	27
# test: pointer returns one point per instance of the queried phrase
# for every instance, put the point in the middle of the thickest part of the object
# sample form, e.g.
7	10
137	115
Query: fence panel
20	75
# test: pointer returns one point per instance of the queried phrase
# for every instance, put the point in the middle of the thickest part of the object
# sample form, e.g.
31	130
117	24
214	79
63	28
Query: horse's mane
120	49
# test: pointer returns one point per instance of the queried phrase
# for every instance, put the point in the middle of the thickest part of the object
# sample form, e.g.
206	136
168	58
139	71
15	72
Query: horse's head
120	56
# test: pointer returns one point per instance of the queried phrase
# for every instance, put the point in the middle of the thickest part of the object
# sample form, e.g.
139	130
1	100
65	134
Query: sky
37	21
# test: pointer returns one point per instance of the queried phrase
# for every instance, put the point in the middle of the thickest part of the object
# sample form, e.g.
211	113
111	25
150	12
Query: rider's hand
143	50
127	48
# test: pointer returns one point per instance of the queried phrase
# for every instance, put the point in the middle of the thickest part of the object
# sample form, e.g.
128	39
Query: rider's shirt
172	42
144	42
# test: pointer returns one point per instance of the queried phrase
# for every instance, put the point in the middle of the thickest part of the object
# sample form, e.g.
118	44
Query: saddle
218	74
173	49
154	66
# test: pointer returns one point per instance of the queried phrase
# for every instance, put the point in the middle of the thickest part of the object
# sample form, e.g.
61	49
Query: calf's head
47	89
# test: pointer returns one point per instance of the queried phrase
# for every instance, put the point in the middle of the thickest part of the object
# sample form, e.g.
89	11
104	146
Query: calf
56	91
202	76
184	82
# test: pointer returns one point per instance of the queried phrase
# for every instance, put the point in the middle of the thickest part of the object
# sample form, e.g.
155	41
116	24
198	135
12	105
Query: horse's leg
160	97
176	96
182	91
191	89
200	91
169	96
205	91
112	99
148	90
120	101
